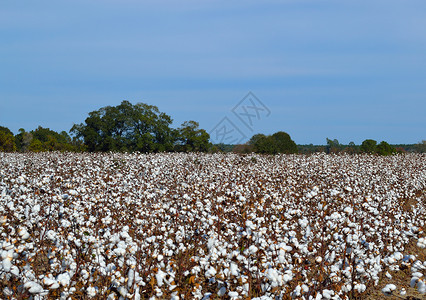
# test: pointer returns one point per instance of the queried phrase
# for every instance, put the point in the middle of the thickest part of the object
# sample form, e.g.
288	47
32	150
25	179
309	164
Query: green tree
192	138
420	147
7	140
333	146
351	148
284	143
263	144
279	142
385	149
369	146
126	127
23	140
36	146
50	140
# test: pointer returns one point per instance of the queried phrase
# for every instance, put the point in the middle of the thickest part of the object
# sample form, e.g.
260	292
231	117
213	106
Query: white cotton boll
49	281
211	272
211	242
72	192
388	275
398	255
6	264
160	276
296	292
421	287
64	279
327	294
23	233
252	249
234	269
318	259
33	287
36	209
14	270
233	295
7	291
388	289
421	243
303	222
122	291
84	274
91	292
348	210
403	292
360	287
250	224
287	277
131	277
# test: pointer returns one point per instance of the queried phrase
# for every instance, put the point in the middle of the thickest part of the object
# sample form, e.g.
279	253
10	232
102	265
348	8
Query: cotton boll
131	277
421	287
36	209
64	279
348	210
388	275
252	249
327	294
233	295
23	233
234	269
84	274
7	291
33	287
360	287
211	272
91	291
6	264
14	270
388	289
398	255
421	243
160	277
122	291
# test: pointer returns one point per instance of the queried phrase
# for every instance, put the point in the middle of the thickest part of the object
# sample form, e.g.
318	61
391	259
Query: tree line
141	127
125	128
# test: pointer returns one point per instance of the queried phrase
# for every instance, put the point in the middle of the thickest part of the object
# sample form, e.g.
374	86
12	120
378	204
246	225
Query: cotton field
210	226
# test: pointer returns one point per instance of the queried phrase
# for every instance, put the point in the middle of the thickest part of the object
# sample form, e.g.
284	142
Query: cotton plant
201	226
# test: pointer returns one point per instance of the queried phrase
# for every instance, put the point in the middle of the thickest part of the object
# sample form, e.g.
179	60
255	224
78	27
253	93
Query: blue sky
349	70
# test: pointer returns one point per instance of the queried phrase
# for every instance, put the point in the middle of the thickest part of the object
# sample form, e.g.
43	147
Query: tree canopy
279	142
369	146
140	127
7	140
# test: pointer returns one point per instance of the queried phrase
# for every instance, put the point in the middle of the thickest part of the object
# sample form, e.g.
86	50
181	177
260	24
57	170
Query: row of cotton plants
208	226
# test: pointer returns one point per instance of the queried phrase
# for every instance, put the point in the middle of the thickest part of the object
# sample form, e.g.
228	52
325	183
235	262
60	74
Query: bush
279	142
384	149
369	146
7	140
